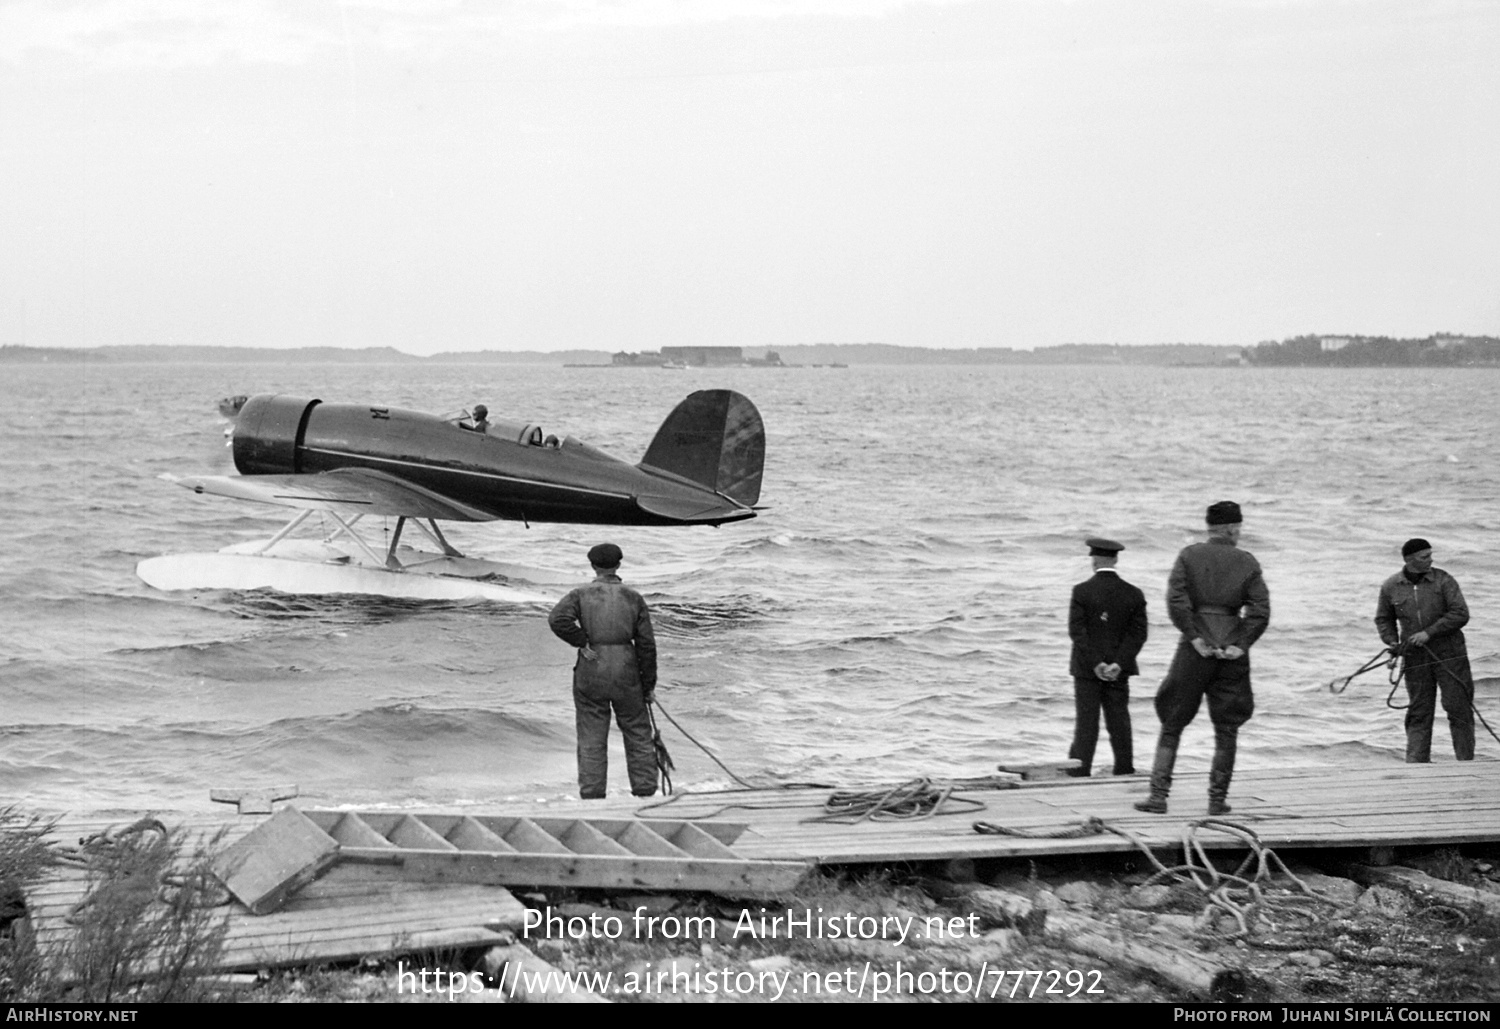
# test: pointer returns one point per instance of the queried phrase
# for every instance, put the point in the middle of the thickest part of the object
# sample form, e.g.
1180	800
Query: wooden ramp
402	882
609	853
1378	805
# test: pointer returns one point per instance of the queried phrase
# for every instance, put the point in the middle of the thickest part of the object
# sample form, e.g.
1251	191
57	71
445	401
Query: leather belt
1214	609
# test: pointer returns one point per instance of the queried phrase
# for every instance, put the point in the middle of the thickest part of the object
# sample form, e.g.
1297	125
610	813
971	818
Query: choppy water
899	611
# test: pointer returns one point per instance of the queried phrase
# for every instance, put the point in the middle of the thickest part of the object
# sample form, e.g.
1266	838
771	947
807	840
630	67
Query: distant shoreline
1362	352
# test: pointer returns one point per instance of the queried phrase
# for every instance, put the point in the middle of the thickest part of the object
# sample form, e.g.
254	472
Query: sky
455	175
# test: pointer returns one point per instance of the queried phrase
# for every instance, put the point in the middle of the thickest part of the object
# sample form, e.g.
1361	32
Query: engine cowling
268	432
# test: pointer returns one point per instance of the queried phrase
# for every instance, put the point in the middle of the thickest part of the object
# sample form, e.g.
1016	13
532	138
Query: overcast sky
624	174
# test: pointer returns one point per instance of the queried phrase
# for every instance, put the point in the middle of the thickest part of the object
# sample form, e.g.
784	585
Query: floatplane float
350	462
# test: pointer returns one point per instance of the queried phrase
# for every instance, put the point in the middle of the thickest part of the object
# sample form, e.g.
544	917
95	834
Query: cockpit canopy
526	434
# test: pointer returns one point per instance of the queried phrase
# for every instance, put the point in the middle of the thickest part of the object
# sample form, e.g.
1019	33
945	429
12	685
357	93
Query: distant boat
229	407
676	366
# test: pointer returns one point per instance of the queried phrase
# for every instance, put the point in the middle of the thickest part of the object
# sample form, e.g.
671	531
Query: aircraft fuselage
508	472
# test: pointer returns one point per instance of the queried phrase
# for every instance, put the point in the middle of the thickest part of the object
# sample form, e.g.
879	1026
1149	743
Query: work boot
1220	772
1161	777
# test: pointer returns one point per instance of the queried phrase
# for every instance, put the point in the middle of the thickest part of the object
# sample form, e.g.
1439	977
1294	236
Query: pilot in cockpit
481	418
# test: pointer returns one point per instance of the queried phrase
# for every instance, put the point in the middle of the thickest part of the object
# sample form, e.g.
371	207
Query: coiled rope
110	853
1236	893
917	798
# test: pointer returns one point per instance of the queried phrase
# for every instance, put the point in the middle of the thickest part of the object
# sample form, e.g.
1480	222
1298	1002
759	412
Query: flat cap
605	555
1225	512
1411	546
1100	547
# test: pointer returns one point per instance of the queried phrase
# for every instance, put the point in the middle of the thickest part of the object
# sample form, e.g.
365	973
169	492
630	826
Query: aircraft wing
346	490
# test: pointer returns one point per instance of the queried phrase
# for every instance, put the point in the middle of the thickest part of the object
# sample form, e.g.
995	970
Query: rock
774	963
1015	882
1385	900
867	950
1046	900
1136	921
482	997
1149	898
1305	958
996	945
1174	926
1335	888
654	905
997	907
1079	893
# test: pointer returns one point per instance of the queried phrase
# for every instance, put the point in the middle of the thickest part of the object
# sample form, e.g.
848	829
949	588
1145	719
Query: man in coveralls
616	669
1219	600
1428	608
1107	622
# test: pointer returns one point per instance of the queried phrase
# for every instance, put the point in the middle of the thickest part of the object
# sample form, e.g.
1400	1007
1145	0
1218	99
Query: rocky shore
1109	928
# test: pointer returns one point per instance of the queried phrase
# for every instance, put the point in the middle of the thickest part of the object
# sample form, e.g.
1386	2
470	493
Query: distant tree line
1441	349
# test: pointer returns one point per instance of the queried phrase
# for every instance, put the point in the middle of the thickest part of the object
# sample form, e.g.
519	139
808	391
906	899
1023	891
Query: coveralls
1215	593
610	619
1430	602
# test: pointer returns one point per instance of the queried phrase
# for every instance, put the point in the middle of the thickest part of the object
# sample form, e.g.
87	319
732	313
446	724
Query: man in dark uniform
616	669
1217	597
1422	611
1107	621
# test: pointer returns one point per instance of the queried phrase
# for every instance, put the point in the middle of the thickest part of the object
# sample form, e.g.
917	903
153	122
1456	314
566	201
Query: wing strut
298	519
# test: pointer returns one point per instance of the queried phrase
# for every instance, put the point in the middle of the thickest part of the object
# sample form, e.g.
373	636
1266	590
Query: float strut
390	554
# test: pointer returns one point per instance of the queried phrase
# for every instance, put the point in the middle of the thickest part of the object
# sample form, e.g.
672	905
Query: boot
1221	771
1161	776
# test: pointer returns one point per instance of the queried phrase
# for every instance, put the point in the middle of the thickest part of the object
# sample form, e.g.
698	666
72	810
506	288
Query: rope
714	757
1234	893
109	851
1395	660
918	798
1090	826
664	765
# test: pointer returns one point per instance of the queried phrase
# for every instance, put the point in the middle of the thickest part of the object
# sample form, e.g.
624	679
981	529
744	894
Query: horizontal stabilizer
706	509
714	438
346	490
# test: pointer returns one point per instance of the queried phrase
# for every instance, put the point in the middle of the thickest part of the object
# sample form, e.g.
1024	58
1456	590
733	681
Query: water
900	610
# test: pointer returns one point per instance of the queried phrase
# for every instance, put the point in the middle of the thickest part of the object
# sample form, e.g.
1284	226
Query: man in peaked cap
1422	612
616	670
1107	621
1217	597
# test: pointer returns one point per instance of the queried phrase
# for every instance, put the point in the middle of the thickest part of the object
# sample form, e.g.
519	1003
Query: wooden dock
358	909
1369	806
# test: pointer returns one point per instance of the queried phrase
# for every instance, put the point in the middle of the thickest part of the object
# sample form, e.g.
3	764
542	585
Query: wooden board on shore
349	912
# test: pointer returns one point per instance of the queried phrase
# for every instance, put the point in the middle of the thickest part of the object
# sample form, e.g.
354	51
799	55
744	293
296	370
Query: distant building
703	357
1444	340
1329	343
645	359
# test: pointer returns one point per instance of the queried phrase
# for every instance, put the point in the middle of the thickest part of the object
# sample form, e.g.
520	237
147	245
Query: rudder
714	438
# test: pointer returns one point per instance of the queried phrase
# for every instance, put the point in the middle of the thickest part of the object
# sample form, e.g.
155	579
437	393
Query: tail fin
714	438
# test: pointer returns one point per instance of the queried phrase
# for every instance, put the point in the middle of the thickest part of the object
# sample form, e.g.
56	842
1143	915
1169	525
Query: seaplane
350	462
